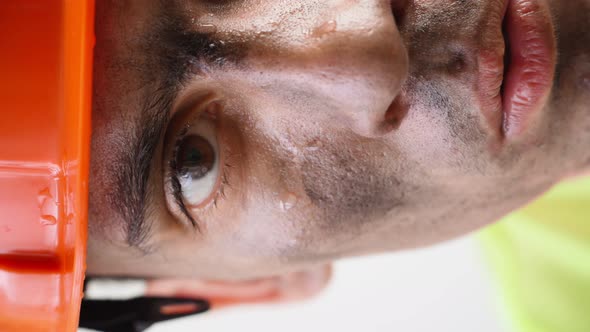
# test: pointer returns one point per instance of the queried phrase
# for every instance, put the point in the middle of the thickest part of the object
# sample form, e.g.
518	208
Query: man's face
241	138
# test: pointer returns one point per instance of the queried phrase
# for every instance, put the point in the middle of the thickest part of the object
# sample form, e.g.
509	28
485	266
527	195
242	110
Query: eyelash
177	188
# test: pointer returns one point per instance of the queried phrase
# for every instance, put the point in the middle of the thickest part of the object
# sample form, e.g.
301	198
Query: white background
444	288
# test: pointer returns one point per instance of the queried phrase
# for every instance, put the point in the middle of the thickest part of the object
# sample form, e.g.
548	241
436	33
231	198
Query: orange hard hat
45	99
45	89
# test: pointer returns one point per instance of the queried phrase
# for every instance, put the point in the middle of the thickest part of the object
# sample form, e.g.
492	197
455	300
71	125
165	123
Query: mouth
514	85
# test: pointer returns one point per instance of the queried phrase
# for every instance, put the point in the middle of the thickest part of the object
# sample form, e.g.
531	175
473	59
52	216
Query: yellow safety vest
541	258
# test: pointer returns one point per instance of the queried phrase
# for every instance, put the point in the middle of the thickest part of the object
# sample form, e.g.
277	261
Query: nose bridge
356	30
350	51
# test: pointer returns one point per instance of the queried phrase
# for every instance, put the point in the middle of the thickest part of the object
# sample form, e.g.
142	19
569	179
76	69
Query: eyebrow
174	48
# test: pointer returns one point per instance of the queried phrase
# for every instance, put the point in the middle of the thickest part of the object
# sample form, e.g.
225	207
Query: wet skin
294	133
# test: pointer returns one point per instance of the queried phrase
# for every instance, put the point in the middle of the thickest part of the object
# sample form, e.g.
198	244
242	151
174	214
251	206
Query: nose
349	53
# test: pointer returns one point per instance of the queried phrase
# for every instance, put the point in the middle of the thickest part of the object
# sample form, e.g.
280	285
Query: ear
286	288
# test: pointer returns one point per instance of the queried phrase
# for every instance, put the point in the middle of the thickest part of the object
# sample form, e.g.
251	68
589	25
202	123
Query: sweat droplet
324	29
288	200
314	145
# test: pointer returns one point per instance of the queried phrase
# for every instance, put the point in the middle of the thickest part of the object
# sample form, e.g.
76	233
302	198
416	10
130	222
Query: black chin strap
136	315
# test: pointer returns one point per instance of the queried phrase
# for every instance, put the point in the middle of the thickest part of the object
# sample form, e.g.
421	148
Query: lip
515	82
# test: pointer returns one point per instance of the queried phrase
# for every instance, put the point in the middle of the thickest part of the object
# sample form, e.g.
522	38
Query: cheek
427	142
443	130
268	235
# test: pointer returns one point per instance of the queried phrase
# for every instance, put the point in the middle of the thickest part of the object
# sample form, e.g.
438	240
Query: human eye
195	165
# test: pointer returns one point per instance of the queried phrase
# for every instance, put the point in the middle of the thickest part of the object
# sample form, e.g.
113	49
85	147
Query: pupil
196	157
193	156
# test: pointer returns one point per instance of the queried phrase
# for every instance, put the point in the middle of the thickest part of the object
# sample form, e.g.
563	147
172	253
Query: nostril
399	9
395	114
